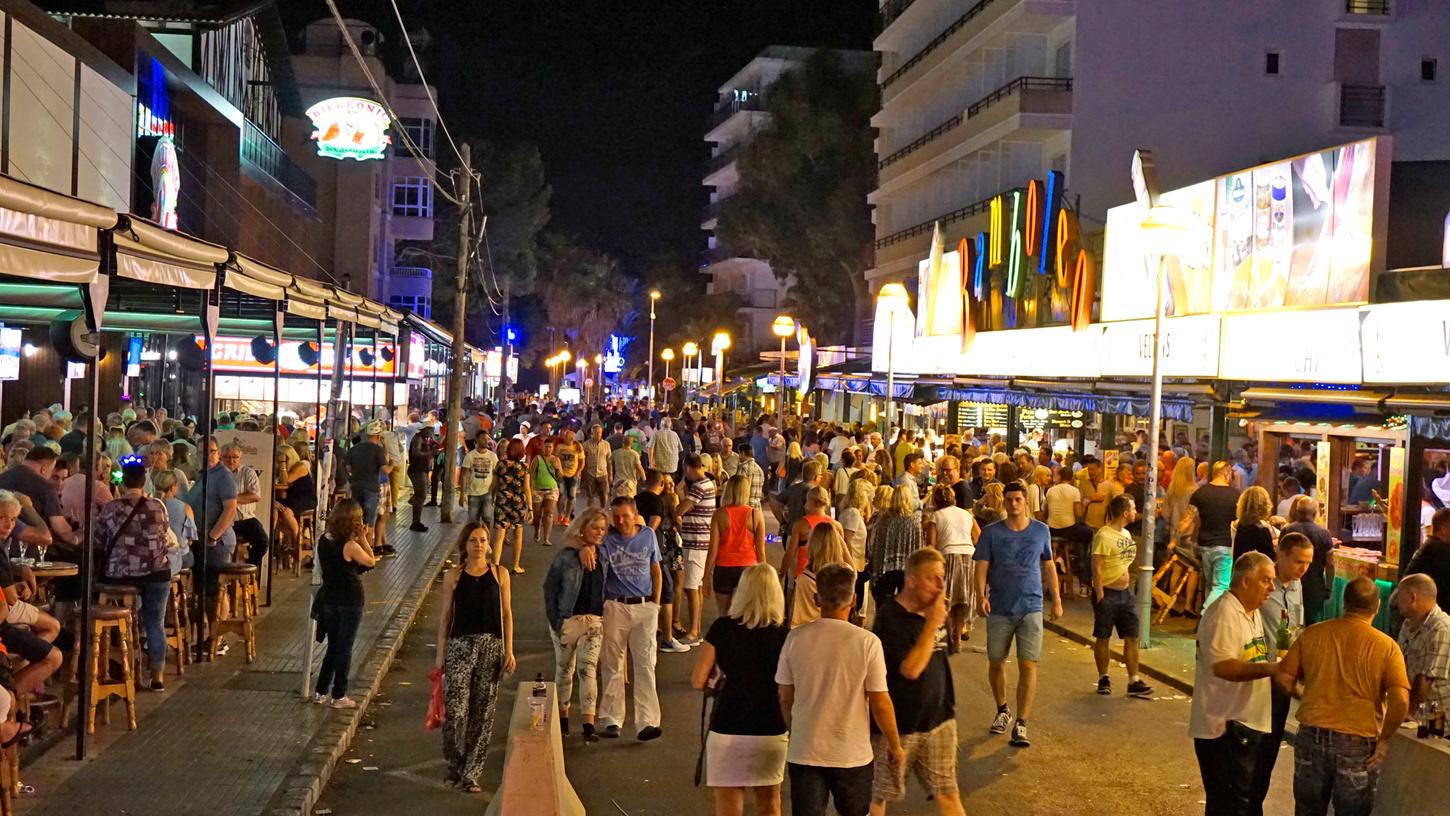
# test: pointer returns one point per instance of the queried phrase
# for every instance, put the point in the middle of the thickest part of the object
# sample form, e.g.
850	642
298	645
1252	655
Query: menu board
10	342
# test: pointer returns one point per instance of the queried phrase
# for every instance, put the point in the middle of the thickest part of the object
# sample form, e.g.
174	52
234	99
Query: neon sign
347	127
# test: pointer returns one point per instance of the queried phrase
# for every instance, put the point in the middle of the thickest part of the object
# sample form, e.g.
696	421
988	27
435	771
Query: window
413	196
1271	62
420	305
1428	69
420	131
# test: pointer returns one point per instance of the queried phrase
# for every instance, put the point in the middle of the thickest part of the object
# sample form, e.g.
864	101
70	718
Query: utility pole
508	353
463	184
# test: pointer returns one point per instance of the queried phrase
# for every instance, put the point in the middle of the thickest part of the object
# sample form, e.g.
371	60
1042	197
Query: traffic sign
668	383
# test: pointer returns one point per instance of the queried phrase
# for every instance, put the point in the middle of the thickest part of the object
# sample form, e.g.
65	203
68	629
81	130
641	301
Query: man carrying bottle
1283	617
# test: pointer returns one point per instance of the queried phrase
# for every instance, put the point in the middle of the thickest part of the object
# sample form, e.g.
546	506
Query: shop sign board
1310	346
1406	343
234	355
1190	347
257	454
1303	231
348	127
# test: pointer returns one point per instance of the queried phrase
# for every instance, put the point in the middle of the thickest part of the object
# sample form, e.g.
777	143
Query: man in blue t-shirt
1013	563
631	612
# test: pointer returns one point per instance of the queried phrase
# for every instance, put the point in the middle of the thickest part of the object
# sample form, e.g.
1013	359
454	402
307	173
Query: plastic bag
435	701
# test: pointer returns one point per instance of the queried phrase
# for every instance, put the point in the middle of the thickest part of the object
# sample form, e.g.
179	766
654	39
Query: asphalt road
1090	755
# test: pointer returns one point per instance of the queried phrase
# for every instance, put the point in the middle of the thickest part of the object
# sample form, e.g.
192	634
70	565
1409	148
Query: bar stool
238	609
124	596
1062	551
306	520
178	620
111	626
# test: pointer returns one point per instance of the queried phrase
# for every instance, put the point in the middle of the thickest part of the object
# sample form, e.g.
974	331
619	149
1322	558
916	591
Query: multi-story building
978	96
375	206
739	112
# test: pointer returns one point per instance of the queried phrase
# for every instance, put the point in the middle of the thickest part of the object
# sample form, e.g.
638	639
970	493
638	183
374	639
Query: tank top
737	548
544	475
341	579
477	606
804	559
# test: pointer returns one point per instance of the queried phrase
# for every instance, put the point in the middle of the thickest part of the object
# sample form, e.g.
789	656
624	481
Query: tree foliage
684	313
584	295
801	203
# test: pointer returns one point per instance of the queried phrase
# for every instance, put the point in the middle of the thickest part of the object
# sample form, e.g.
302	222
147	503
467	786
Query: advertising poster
1321	483
256	452
1396	510
10	342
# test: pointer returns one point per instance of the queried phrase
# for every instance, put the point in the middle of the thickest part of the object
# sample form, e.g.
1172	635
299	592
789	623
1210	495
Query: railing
723	158
936	43
411	272
711	211
921	141
1362	106
1375	7
261	152
719	253
892	10
1017	85
926	226
754	102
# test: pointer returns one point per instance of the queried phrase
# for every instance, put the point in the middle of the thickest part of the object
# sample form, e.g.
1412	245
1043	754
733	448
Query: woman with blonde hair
737	540
745	747
992	506
1179	516
1251	530
954	532
574	606
894	538
826	546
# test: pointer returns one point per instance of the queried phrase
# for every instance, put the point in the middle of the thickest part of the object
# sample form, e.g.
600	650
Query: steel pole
780	392
890	375
1150	487
460	324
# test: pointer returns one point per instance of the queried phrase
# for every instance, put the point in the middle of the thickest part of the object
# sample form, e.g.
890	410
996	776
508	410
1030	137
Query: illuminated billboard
348	127
1305	231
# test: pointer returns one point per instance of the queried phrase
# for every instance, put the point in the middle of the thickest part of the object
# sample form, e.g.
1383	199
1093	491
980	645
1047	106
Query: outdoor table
47	571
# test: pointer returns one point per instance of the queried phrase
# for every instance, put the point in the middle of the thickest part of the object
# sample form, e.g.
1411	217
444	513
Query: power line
424	80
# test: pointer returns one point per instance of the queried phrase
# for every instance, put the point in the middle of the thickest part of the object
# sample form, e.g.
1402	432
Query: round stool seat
185	571
117	589
238	569
110	613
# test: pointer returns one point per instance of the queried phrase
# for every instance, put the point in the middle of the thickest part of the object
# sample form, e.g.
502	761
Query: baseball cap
374	428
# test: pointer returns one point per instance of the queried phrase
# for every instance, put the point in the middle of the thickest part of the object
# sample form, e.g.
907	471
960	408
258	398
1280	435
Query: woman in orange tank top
737	541
818	499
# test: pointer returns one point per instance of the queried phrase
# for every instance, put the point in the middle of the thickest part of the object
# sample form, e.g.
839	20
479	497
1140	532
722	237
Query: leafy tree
685	312
801	203
584	295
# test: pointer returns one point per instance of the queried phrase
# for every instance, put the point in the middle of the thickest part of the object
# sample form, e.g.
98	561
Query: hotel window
1428	69
1271	62
413	196
420	131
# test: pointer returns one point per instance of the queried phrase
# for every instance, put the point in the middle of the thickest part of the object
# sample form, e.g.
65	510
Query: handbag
436	712
709	702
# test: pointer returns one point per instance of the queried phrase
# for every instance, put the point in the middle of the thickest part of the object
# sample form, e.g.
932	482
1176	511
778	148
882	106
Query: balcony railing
722	159
267	156
892	10
1362	106
754	102
936	42
411	272
926	226
1016	86
711	211
1373	7
921	141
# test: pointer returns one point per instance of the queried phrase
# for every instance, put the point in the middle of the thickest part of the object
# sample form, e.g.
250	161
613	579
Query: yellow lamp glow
783	327
667	355
720	342
893	296
654	294
690	349
565	356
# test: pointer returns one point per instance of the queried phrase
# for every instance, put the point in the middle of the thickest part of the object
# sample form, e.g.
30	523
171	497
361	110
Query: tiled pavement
1170	659
231	738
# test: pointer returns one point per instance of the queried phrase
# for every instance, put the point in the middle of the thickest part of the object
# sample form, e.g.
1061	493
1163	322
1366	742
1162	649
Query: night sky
614	92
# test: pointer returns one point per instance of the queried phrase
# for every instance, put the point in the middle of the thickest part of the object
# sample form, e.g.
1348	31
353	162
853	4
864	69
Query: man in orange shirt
1355	694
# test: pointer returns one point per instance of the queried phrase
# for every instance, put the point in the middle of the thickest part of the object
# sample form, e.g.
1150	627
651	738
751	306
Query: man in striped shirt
697	506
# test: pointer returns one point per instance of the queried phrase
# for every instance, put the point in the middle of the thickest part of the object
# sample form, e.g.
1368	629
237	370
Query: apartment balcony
710	215
1025	108
722	160
1367	8
267	157
898	252
1362	106
891	11
752	103
966	32
411	272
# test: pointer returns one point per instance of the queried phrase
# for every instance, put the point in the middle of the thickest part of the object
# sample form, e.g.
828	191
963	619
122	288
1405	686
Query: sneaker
589	735
319	699
1019	735
348	702
1138	688
610	732
650	732
1003	719
418	528
674	646
564	726
1105	686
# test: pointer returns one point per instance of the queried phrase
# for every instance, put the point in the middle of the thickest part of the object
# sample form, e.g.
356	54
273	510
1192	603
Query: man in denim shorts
1013	564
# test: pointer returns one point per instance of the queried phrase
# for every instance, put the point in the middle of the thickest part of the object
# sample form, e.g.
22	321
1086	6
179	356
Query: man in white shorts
697	507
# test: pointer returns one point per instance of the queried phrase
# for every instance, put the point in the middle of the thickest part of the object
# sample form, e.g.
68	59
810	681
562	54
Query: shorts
22	642
726	579
368	500
627	488
1118	609
695	568
551	494
931	754
1026	629
480	508
667	587
23	613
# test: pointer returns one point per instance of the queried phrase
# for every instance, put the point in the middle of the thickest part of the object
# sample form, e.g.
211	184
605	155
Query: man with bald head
1355	694
1425	640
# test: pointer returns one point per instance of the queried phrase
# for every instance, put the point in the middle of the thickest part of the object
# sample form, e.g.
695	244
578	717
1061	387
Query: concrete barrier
1412	781
534	783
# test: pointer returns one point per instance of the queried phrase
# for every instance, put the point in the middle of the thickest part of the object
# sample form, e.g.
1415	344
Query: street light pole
690	350
654	296
783	327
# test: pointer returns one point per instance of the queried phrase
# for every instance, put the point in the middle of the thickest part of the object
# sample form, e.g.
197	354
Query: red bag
435	701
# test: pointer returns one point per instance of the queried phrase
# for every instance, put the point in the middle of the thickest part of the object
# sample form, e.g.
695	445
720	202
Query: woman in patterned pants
475	649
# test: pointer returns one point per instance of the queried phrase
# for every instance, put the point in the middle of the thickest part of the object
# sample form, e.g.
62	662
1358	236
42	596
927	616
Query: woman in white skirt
954	532
746	743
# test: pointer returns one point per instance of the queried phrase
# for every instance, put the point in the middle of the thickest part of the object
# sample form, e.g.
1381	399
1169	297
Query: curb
1166	678
304	784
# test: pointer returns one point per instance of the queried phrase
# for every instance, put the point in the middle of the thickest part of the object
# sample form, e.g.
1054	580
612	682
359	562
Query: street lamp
667	355
893	297
690	350
719	344
599	367
784	327
654	296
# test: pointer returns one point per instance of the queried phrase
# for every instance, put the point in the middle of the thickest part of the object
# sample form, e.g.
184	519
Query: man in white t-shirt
475	479
664	449
832	678
1065	510
838	444
1230	712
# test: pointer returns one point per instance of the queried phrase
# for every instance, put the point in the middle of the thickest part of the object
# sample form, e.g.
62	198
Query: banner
256	453
1395	497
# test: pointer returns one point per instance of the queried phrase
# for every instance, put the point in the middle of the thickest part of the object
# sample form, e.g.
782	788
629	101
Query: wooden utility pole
464	185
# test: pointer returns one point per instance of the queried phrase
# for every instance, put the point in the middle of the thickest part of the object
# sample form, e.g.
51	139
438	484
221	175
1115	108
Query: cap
374	428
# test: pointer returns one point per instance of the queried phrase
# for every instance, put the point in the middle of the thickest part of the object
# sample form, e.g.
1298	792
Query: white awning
256	279
49	236
146	252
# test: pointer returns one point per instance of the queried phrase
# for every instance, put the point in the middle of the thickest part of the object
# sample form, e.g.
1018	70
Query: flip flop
25	728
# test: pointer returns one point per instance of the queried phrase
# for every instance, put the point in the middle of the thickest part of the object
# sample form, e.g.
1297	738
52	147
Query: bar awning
436	332
256	278
152	254
49	236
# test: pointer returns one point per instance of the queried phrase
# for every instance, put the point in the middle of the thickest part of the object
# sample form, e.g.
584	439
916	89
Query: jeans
579	656
1329	766
339	625
480	509
368	500
811	786
153	597
1268	754
568	489
1226	765
1218	564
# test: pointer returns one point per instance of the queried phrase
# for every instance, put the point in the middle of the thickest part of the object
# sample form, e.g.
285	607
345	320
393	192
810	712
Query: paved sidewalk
231	738
1171	658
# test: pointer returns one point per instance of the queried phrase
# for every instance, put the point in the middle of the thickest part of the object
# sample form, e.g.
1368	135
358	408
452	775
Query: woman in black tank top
475	650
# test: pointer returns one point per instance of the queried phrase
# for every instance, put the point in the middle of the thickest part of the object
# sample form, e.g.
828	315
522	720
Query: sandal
518	570
20	732
472	788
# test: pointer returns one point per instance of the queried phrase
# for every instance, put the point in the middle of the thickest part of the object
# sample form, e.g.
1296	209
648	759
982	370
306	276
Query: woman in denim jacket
574	604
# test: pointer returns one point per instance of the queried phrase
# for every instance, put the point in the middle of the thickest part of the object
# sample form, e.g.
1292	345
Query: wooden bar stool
178	621
238	609
124	596
1062	551
111	626
305	522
